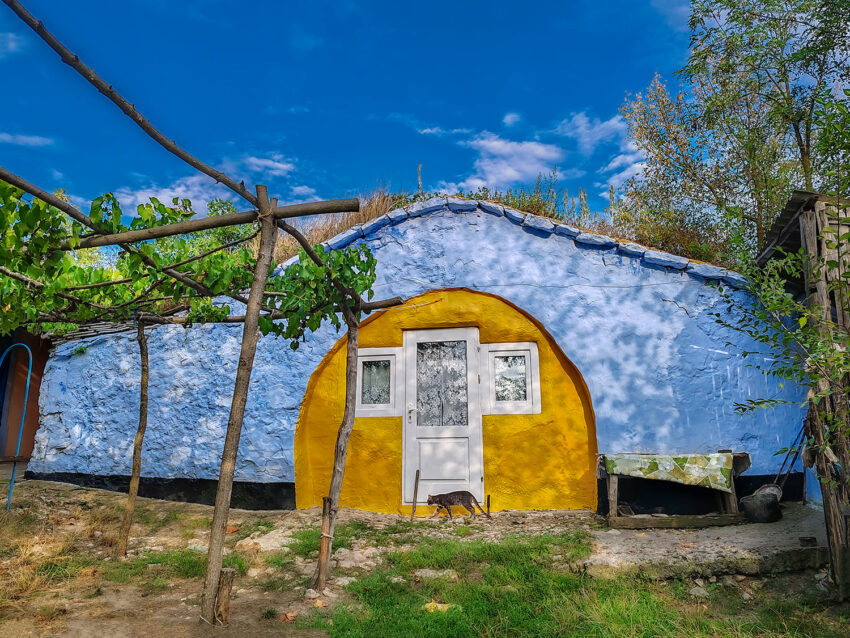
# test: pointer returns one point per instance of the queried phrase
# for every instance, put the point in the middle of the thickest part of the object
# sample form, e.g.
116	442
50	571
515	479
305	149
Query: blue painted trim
658	258
514	215
735	280
397	215
633	250
566	231
459	205
492	209
706	271
592	239
375	225
545	226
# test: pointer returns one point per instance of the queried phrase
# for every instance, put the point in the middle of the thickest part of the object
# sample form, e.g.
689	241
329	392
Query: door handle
410	412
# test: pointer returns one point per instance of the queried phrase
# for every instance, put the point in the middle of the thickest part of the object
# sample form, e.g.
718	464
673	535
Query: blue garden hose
23	416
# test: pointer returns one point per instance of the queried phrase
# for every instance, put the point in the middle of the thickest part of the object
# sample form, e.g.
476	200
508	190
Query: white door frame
413	434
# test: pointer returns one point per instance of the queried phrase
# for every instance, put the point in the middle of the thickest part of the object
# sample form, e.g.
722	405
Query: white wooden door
442	422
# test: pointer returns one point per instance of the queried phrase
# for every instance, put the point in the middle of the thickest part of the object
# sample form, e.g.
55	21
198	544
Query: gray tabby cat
460	498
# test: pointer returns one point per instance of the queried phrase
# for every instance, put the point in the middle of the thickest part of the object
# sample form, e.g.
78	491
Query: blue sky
329	99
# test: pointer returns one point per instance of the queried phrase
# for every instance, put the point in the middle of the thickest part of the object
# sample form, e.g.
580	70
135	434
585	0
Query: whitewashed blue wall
636	323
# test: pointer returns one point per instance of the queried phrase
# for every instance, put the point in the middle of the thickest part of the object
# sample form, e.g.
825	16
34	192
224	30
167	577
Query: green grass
279	560
401	533
173	563
154	522
307	540
63	568
235	561
516	588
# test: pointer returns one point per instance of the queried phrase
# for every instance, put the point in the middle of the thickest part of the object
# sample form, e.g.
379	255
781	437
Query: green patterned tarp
706	470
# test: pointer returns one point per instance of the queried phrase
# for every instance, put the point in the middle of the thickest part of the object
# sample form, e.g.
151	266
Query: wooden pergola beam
218	221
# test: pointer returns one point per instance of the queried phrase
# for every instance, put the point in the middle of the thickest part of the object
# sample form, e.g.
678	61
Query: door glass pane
441	393
375	389
510	378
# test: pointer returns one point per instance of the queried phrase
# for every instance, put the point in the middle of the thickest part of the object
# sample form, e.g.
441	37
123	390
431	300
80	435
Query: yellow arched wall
531	461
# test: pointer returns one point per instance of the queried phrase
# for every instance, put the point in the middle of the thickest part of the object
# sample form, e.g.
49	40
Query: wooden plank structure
815	223
728	502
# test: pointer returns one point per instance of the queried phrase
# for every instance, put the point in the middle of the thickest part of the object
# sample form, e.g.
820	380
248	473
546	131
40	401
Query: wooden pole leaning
415	494
250	336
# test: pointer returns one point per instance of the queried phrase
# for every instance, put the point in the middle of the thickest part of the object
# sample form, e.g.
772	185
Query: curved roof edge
534	224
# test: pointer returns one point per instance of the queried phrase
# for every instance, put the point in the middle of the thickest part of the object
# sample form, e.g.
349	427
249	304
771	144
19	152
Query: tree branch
37	284
35	191
360	304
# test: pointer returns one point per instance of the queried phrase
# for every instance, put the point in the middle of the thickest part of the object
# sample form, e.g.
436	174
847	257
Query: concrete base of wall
249	496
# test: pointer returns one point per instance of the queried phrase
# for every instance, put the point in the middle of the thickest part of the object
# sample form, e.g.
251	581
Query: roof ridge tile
540	226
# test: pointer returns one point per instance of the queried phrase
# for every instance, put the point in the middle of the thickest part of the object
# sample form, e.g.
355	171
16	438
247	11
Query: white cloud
302	193
440	131
503	162
675	12
590	133
197	188
10	43
625	165
274	165
630	155
632	170
25	140
511	119
200	189
57	175
447	188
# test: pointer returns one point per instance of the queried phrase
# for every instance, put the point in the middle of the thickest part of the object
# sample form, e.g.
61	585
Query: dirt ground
58	577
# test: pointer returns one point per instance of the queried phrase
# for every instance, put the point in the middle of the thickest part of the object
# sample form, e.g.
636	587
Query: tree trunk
130	508
320	577
222	602
250	336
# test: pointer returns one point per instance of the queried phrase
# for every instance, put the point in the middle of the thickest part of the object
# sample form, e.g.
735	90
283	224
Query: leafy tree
722	155
807	336
782	54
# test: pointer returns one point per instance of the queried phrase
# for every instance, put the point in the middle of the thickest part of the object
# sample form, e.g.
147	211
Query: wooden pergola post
830	443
